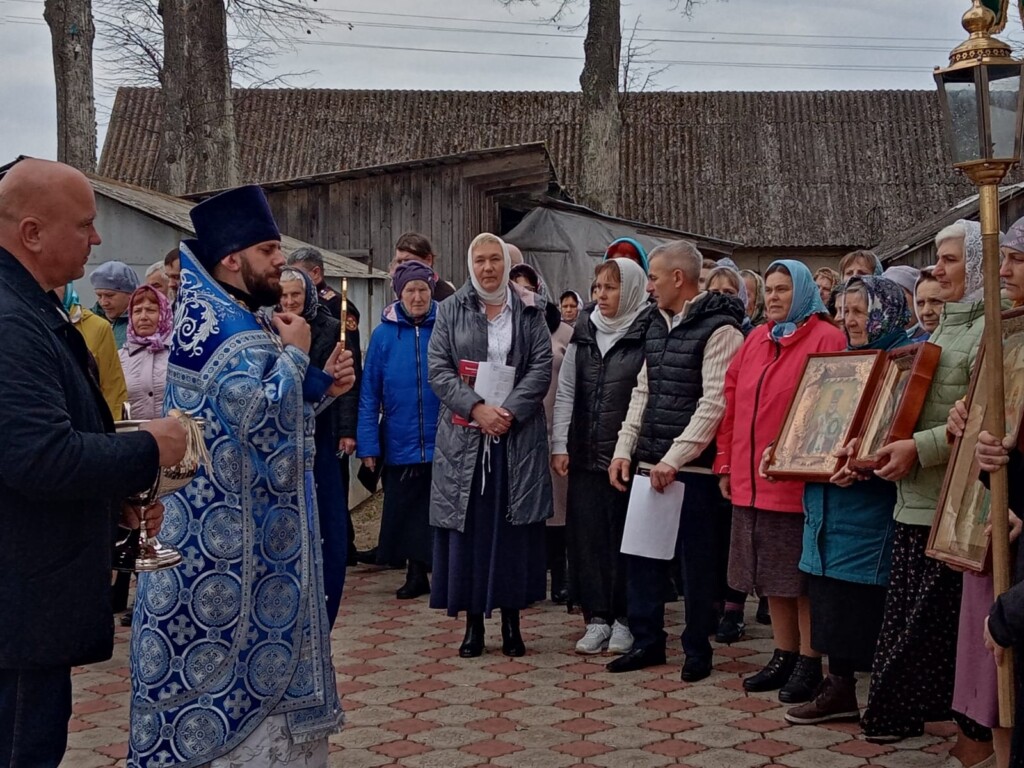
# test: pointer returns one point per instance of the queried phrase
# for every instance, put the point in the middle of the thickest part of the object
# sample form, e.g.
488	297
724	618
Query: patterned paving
412	701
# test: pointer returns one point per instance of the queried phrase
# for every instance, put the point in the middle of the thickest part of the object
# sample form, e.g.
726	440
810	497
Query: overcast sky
725	45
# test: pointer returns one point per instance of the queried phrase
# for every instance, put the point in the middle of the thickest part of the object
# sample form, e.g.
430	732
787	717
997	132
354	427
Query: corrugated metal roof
174	211
798	169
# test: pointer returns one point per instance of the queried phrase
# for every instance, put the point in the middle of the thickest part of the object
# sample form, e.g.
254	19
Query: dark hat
232	221
412	270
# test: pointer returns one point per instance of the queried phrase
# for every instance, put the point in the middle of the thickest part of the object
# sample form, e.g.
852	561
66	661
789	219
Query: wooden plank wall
449	204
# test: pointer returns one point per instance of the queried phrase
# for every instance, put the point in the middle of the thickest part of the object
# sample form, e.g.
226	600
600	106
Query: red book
467	370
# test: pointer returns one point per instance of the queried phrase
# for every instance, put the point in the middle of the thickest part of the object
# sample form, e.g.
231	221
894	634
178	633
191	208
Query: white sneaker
595	640
621	639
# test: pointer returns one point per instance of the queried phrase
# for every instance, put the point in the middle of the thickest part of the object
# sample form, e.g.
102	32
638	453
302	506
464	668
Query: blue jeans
697	554
35	706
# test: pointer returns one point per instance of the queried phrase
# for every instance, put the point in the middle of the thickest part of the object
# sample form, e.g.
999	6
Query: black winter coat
62	479
604	386
341	416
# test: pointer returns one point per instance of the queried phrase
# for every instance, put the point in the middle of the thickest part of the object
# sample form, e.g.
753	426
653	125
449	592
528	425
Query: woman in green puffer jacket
913	671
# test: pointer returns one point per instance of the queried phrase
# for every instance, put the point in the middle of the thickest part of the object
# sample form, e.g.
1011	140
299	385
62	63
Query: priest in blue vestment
230	650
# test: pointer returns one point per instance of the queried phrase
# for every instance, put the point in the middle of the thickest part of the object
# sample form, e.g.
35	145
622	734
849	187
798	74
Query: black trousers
698	555
35	707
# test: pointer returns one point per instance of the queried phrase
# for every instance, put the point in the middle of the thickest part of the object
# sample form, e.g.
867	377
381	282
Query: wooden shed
139	226
916	246
451	199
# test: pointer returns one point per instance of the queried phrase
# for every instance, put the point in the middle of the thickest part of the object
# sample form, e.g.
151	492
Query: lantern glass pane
962	98
1004	96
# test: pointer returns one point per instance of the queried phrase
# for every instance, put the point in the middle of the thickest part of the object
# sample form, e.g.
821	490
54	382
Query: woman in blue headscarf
848	531
767	524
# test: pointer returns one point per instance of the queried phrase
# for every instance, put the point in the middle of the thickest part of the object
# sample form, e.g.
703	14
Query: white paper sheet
494	382
652	520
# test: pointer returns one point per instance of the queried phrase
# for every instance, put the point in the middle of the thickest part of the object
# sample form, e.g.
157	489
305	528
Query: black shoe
775	673
352	559
695	669
511	641
638	658
126	619
560	596
730	628
416	582
367	557
763	615
803	683
473	642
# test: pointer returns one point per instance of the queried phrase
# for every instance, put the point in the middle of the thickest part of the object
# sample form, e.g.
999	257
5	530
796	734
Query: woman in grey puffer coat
491	489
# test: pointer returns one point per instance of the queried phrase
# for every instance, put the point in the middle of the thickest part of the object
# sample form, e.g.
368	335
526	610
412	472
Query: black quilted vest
603	389
674	381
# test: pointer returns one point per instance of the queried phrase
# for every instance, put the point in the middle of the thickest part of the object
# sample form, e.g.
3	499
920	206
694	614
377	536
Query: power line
509	22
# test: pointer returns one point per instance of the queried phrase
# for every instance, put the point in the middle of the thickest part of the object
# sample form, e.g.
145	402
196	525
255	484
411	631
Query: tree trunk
198	148
602	121
72	32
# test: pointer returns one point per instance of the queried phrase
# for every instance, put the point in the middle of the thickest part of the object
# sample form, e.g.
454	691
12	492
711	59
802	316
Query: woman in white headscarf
913	673
594	387
491	490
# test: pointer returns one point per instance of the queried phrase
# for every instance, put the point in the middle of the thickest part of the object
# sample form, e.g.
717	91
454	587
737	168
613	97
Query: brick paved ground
411	701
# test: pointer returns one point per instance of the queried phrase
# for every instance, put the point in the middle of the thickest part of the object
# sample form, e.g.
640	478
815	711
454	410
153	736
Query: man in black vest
674	413
63	473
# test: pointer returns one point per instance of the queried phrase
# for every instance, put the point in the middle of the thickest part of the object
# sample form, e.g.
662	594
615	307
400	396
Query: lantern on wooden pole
982	107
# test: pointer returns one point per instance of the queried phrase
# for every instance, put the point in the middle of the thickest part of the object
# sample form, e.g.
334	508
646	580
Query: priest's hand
293	330
342	369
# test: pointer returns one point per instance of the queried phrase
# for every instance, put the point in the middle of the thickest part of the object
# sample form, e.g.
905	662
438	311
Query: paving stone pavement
411	701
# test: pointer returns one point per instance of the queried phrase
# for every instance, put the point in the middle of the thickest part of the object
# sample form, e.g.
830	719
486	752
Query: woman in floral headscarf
913	671
848	531
144	354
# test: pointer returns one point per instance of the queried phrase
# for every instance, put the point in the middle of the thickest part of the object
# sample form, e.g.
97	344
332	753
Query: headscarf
888	313
632	301
628	248
311	298
757	315
973	278
904	276
500	294
806	298
164	325
1014	239
71	298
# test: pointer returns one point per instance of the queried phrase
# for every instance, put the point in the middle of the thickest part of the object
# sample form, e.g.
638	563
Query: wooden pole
994	423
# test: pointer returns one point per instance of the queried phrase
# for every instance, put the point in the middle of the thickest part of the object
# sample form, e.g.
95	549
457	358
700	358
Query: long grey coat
460	333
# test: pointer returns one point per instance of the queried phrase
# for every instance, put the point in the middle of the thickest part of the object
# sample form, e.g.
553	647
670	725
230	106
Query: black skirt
491	563
405	519
845	619
595	517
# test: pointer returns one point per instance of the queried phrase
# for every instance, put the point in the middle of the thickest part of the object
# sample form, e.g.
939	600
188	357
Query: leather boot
473	642
416	581
775	673
803	682
511	641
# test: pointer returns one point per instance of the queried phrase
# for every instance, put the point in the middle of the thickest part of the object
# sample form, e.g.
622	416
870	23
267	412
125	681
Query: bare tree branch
637	76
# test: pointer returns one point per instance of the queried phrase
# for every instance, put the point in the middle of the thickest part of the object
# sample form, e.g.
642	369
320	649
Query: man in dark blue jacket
63	474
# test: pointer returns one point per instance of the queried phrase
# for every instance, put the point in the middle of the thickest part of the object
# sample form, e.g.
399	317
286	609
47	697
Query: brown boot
836	700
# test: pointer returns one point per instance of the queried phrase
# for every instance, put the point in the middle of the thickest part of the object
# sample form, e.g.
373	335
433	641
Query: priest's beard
264	289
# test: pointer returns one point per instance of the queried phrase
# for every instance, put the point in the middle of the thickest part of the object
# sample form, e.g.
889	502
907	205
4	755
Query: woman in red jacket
768	516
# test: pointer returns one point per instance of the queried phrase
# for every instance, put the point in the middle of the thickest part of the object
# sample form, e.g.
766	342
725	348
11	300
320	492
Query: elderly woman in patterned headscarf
848	531
913	672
